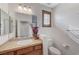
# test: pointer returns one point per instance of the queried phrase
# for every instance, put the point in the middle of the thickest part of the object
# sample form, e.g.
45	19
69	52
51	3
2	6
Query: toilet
48	47
54	51
51	49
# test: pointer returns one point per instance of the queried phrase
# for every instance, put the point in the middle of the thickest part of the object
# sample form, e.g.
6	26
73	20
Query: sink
24	42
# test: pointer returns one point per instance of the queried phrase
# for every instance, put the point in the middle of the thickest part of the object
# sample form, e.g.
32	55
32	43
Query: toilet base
53	51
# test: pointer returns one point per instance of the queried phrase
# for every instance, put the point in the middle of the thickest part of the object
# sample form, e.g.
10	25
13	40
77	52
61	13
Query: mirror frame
43	18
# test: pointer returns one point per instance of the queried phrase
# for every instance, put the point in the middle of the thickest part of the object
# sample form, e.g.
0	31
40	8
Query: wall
65	15
68	14
37	9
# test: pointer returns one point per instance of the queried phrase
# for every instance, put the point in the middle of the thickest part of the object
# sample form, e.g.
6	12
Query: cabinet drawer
38	47
8	53
24	50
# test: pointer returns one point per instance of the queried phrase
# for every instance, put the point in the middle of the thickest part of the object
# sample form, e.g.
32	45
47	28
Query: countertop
12	45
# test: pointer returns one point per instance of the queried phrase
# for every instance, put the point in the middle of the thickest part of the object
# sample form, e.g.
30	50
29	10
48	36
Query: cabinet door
38	52
8	53
24	50
38	47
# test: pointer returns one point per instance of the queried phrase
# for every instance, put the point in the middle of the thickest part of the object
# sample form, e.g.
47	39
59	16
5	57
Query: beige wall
66	14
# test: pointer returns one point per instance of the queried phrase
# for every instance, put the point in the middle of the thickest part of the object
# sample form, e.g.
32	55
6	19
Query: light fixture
29	9
25	8
20	7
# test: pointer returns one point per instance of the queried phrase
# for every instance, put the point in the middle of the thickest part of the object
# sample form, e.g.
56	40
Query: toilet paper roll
66	45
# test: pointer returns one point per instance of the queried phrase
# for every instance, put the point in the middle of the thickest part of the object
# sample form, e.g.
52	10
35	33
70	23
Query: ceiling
13	6
51	5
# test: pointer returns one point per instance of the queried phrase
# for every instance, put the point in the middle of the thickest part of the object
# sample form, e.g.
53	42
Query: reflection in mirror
10	25
4	23
35	27
24	24
34	20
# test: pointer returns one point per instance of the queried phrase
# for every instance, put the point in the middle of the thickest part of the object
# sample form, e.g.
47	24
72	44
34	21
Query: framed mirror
46	18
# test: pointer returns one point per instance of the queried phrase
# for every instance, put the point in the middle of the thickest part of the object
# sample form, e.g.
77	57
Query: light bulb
20	7
29	9
25	8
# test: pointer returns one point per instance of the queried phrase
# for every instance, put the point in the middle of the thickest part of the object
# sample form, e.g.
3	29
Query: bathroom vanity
23	46
12	48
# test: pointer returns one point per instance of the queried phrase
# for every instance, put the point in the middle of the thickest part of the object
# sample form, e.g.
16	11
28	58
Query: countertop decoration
35	32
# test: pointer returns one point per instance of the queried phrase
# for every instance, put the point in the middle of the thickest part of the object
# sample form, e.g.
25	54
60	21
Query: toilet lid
54	50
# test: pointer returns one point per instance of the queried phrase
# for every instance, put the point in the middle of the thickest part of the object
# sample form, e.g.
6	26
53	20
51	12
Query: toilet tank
47	41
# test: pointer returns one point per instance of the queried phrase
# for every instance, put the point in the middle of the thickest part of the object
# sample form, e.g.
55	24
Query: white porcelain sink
24	42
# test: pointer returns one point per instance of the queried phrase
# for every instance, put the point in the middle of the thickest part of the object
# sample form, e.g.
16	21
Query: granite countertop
12	45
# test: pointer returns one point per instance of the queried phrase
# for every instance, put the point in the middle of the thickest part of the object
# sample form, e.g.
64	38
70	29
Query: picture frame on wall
46	18
34	20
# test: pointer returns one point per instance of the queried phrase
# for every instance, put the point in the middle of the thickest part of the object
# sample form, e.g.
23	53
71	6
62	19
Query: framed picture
46	18
34	20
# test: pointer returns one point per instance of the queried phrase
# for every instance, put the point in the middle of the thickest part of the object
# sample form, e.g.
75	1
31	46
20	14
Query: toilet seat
54	51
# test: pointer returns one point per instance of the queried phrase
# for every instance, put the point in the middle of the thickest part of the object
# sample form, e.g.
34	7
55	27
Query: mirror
24	24
10	24
46	18
4	22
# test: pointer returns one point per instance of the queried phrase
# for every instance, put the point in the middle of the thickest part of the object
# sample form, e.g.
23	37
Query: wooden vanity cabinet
31	50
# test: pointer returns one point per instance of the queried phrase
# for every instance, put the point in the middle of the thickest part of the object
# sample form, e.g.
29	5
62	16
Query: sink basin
24	42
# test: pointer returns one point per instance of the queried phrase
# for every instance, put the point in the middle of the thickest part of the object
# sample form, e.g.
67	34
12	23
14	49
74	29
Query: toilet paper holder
66	45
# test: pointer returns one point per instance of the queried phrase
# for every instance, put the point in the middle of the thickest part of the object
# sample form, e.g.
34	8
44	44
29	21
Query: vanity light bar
24	8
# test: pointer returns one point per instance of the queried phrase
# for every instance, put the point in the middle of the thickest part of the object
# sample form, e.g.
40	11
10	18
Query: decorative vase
35	32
